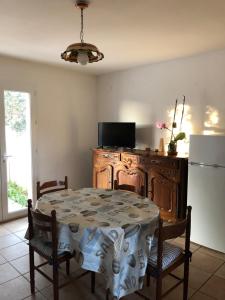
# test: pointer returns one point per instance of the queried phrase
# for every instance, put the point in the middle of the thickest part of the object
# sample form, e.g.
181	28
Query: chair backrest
131	188
38	222
173	231
125	187
51	186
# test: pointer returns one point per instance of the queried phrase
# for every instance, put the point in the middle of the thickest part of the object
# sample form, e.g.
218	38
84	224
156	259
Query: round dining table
111	232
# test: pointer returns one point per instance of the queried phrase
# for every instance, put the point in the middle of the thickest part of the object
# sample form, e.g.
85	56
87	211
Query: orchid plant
172	147
179	136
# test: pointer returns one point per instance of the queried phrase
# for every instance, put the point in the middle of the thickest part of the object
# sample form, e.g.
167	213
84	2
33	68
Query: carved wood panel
171	174
103	177
129	160
163	192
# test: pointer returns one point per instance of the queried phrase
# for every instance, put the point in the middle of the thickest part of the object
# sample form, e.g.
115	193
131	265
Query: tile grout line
198	290
21	275
9	261
10	246
14	258
11	279
37	290
211	255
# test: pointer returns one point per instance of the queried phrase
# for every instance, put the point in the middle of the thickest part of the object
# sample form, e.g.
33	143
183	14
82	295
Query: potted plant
172	146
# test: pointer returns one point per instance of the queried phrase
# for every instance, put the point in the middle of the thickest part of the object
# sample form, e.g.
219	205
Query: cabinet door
103	177
163	192
131	179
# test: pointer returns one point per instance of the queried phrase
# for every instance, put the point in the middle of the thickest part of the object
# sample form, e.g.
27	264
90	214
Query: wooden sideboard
160	177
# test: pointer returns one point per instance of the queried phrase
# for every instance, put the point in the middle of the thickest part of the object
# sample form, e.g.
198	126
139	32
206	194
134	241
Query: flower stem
182	113
174	116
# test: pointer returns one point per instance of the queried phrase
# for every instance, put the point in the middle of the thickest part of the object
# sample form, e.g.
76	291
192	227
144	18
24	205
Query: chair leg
148	280
55	281
107	294
68	267
92	282
186	279
158	288
32	279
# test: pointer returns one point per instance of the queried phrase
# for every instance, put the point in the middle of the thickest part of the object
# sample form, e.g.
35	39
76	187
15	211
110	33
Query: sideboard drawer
103	157
164	162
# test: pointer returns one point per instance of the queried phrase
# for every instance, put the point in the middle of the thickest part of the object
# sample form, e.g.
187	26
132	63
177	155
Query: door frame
4	214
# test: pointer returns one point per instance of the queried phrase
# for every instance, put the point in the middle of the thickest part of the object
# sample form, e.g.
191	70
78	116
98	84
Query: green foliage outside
15	111
17	193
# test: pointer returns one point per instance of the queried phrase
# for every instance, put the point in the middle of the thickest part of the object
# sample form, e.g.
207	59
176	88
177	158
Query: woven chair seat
170	254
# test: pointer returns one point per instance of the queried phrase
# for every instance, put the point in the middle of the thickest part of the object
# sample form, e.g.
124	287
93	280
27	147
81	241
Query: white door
16	153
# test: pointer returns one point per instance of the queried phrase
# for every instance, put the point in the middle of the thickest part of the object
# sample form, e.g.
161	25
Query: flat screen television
116	134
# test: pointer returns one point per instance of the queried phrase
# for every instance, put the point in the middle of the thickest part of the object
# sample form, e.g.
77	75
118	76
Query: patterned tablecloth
110	230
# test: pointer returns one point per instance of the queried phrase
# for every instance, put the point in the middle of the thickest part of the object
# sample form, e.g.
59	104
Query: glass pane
18	149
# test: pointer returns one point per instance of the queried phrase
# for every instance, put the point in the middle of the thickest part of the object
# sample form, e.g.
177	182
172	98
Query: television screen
117	134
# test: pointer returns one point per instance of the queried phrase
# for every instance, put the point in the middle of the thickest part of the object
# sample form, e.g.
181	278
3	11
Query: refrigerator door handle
192	163
216	166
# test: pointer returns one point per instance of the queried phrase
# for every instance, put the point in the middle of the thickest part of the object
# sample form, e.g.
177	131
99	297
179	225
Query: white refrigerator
206	190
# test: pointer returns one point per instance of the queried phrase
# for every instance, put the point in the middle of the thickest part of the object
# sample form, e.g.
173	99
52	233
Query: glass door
16	166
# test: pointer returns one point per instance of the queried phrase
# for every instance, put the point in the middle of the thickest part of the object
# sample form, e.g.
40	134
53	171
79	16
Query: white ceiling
128	32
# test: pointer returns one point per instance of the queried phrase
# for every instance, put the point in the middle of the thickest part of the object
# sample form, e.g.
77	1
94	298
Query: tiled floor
207	273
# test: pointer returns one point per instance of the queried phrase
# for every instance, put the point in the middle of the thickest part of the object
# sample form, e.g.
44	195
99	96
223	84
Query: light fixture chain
82	26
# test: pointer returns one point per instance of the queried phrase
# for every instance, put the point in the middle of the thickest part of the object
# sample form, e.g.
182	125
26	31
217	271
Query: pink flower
160	125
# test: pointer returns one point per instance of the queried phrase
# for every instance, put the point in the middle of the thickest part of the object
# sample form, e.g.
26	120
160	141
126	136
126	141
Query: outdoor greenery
17	193
15	111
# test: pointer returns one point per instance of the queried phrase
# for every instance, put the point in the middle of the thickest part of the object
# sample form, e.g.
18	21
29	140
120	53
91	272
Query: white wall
66	114
65	109
147	94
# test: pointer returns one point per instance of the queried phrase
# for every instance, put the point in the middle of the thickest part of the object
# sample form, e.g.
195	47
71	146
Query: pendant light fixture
82	53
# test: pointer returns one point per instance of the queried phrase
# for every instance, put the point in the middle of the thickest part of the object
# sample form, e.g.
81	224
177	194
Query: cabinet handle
105	155
154	161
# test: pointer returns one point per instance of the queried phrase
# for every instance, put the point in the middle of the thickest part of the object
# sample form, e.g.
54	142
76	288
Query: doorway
16	153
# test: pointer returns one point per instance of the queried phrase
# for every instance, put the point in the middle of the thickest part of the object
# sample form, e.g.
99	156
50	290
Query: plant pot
172	148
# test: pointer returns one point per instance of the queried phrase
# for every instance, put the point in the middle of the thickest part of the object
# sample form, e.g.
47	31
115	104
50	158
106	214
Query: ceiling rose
82	53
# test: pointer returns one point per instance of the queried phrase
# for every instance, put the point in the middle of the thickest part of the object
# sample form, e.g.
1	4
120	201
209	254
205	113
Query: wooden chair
47	248
165	257
131	188
51	186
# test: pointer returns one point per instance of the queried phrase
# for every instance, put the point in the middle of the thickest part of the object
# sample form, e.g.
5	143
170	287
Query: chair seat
170	253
